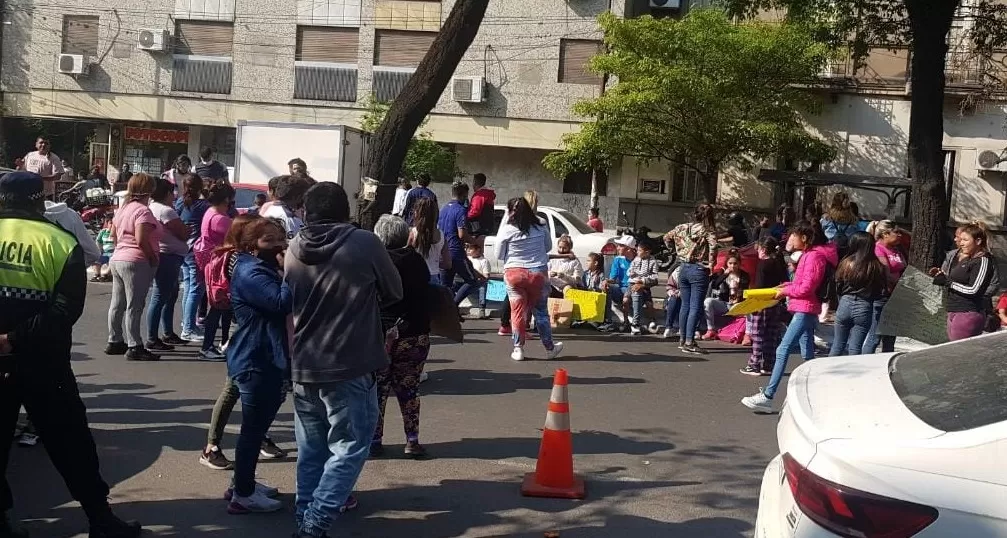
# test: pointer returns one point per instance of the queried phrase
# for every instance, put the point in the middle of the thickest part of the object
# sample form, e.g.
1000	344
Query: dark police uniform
42	291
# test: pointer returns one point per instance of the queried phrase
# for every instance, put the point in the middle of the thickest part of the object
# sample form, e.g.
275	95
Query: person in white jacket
70	221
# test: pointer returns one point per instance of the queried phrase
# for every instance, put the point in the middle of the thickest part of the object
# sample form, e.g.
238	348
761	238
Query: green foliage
425	154
700	88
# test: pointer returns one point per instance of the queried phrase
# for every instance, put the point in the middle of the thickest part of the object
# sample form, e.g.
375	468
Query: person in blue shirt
258	353
454	225
618	276
421	190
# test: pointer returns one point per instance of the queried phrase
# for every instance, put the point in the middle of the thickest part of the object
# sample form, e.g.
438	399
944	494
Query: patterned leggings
766	334
408	357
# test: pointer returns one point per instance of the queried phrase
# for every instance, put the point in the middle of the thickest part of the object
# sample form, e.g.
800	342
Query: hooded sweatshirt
70	221
812	270
339	276
481	209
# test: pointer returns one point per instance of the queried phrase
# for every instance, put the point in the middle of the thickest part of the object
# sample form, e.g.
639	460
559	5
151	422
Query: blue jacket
620	271
261	303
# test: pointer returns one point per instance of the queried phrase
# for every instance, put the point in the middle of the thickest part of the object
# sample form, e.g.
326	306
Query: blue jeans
672	306
801	330
693	280
887	342
163	296
334	424
615	296
461	268
192	281
639	299
261	395
480	291
854	318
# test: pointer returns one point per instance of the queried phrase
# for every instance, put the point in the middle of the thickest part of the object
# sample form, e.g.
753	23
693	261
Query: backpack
218	282
842	238
827	288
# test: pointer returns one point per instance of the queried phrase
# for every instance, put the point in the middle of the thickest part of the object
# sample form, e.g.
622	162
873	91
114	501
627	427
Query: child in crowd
766	324
726	291
106	244
642	274
594	277
617	284
672	303
481	270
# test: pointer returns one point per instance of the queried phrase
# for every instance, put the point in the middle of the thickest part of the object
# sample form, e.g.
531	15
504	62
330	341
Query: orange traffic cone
553	476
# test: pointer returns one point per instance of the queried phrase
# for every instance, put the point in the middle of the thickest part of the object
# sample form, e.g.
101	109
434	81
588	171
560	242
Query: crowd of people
272	272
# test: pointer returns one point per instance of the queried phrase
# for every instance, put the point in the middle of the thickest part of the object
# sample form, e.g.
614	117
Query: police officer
42	289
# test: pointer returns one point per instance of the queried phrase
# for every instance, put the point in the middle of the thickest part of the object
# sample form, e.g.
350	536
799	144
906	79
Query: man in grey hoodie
339	276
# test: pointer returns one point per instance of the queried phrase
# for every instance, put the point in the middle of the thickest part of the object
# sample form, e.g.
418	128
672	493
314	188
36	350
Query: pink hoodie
811	269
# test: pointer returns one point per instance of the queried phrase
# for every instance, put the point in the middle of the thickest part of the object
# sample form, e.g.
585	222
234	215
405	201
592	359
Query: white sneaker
256	503
517	354
670	333
557	349
635	330
758	402
424	377
268	491
476	313
652	327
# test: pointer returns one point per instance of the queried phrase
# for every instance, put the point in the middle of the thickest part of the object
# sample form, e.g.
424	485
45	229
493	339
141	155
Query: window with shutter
401	48
204	38
327	44
80	35
574	55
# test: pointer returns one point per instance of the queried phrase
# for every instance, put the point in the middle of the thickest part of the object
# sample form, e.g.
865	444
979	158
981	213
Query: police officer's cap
21	185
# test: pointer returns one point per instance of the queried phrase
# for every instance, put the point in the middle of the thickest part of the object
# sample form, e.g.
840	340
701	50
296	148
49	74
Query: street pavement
660	436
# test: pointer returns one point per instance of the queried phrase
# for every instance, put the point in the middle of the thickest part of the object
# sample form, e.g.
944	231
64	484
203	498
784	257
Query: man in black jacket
42	290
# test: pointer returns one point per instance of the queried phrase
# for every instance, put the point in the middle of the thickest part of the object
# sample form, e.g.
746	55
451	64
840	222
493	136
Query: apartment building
142	82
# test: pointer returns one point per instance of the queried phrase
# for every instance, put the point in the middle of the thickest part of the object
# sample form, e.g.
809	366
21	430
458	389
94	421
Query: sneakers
635	330
26	439
256	503
505	331
424	377
710	335
268	491
215	459
517	354
746	340
174	340
140	353
110	526
670	333
212	355
758	402
751	370
270	451
557	349
192	337
476	313
159	345
692	348
415	450
652	328
116	348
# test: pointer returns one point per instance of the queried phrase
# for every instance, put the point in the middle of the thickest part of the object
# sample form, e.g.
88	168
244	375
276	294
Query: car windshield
957	387
580	225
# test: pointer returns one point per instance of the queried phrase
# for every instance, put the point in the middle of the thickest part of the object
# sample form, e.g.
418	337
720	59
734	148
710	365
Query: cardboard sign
587	305
916	310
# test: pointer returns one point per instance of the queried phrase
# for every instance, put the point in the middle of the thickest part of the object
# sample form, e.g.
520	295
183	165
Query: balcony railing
389	81
201	74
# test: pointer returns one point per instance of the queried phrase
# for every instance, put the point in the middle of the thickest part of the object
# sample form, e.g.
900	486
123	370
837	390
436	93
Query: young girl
765	324
214	228
727	289
804	301
594	277
861	279
481	270
107	246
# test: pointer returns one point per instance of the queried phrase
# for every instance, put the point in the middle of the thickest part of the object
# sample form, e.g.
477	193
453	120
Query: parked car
560	221
893	445
244	195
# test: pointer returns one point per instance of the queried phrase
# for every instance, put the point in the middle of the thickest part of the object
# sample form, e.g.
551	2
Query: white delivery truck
332	152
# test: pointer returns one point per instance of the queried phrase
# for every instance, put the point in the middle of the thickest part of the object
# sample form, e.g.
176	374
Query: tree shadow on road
460	382
584	443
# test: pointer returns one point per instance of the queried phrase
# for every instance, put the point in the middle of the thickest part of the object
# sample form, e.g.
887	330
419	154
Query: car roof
540	208
251	186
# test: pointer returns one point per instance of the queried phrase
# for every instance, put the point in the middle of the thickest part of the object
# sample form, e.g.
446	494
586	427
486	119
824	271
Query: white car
560	221
893	446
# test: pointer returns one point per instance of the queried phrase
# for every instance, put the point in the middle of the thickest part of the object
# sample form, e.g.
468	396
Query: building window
80	35
574	55
687	182
325	63
653	186
202	60
580	183
396	55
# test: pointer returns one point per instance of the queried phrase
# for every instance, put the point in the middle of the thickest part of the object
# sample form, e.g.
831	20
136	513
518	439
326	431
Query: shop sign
170	136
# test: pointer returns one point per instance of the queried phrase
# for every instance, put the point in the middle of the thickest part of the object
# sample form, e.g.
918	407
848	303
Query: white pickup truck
560	221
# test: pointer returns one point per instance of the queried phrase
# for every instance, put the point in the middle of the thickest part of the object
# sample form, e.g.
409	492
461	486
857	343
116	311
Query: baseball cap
21	184
626	241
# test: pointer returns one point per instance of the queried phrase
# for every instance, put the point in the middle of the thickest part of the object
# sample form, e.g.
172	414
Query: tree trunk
389	144
929	208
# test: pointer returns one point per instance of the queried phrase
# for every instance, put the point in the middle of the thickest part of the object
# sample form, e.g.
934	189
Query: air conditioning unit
152	40
666	4
991	161
468	89
73	64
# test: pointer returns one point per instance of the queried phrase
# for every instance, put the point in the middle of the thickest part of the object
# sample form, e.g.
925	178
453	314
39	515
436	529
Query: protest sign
915	309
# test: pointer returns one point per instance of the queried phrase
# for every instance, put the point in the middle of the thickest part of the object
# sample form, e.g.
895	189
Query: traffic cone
553	476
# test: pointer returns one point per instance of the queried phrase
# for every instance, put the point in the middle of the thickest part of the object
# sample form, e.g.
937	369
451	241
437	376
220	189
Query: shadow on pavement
460	382
584	443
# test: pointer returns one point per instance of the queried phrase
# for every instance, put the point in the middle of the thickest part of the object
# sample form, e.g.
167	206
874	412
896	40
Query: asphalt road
661	438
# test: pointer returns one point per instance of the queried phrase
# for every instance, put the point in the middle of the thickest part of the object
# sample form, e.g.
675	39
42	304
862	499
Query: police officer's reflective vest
33	254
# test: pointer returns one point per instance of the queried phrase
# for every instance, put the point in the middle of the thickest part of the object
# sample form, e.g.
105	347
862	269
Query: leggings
402	376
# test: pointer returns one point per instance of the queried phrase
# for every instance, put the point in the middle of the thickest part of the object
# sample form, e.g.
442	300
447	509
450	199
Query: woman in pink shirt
216	222
136	232
888	248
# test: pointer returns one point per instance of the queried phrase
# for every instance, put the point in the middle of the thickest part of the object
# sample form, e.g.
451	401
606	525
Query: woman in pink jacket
803	296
